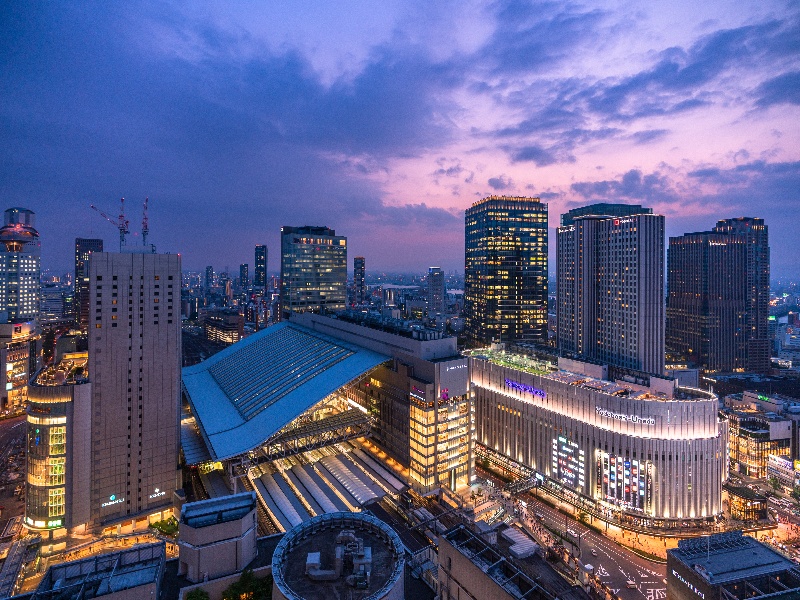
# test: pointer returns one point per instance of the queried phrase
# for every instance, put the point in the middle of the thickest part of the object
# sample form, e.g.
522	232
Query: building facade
59	446
437	295
260	266
657	454
718	303
83	248
359	270
20	353
505	280
244	276
610	286
135	360
313	270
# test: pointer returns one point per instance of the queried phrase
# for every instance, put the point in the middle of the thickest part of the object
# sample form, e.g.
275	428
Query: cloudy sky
385	120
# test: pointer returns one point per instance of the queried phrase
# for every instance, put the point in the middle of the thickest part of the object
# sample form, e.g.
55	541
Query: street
12	468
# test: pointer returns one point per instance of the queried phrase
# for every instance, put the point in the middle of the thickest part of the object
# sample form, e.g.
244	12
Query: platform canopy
243	395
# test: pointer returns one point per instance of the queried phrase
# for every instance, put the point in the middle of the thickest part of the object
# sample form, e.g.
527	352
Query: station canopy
243	395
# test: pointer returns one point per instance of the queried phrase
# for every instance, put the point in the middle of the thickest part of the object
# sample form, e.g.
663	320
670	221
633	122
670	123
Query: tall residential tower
359	269
610	286
260	266
436	292
505	281
19	266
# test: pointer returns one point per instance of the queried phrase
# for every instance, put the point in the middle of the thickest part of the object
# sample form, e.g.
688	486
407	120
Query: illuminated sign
454	367
112	499
568	463
627	418
623	481
522	387
623	221
54	523
157	493
687	584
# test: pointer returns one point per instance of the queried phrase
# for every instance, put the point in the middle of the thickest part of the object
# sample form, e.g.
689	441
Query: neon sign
156	494
626	418
523	387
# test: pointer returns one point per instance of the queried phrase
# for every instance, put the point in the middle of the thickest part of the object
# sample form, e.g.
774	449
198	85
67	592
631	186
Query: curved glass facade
47	464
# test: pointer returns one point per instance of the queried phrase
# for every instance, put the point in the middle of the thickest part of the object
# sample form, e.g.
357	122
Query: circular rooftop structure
339	555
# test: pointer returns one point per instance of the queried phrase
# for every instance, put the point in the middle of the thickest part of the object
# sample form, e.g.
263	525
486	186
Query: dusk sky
385	120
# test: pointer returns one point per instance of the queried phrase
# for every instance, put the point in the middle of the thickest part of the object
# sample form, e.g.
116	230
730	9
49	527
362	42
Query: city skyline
246	119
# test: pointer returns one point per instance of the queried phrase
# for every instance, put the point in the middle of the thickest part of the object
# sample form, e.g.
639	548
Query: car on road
594	552
630	584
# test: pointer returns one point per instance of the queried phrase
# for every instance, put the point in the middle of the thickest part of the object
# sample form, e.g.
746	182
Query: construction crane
145	229
121	223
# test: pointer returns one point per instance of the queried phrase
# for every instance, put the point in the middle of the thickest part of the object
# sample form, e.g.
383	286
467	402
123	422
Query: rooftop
316	538
728	557
72	369
217	510
103	574
246	393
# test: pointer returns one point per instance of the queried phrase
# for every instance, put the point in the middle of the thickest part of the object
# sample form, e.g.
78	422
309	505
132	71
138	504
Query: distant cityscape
628	426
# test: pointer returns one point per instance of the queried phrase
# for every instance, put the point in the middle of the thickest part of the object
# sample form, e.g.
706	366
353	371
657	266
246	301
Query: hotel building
134	361
610	286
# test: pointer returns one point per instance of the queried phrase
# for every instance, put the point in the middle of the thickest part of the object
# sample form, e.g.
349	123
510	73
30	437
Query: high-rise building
610	286
134	362
359	269
83	248
718	303
19	266
436	292
209	277
244	275
505	281
260	266
313	270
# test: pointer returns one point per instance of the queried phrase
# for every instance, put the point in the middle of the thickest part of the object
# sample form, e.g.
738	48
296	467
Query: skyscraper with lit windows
83	248
610	286
313	270
260	266
19	266
359	269
505	281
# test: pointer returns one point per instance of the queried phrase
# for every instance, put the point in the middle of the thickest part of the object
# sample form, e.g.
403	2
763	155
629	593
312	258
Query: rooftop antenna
145	229
121	223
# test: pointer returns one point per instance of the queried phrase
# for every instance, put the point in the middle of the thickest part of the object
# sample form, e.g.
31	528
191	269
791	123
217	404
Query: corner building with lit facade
58	446
505	278
655	454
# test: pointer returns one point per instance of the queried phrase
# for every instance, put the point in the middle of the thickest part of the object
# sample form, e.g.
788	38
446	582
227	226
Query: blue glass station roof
246	393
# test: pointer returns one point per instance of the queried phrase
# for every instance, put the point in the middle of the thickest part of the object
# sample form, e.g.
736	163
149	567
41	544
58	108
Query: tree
776	485
796	493
197	594
249	587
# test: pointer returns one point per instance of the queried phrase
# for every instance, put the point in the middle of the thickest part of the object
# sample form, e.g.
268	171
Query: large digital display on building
569	462
624	481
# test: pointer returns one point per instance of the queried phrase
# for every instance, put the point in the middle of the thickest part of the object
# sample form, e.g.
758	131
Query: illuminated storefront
657	454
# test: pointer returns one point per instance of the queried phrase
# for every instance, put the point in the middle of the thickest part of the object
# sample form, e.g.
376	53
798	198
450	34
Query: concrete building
754	436
505	279
313	270
437	295
20	267
132	574
217	537
134	359
260	266
59	450
716	310
473	567
244	276
610	286
654	454
729	566
336	555
359	269
83	248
